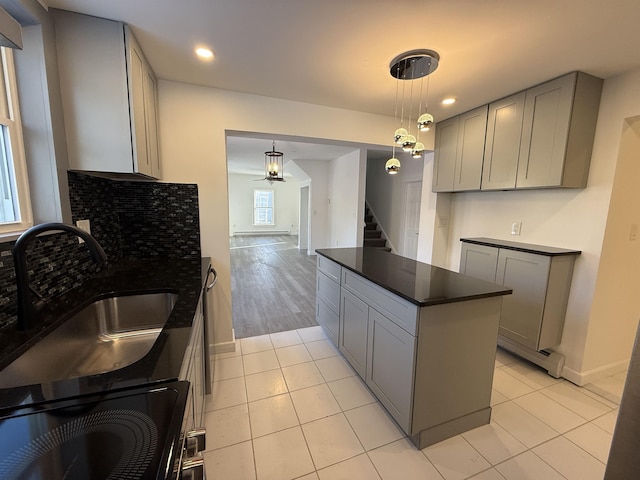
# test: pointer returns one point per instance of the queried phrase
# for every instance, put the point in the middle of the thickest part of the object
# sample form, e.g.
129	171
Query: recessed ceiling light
449	101
204	53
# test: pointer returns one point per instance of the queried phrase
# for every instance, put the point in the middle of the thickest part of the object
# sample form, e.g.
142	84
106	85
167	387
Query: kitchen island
422	338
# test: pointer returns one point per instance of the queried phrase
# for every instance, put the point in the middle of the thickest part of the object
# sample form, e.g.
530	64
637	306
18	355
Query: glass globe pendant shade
399	135
418	150
392	166
408	143
425	121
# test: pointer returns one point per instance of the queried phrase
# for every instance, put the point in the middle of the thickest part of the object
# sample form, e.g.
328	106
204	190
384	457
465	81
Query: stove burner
135	431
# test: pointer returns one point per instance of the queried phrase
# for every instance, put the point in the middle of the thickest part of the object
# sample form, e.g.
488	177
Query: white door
412	195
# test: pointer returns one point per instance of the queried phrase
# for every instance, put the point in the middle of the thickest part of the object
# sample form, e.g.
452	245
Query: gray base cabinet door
390	366
479	261
354	319
328	320
527	275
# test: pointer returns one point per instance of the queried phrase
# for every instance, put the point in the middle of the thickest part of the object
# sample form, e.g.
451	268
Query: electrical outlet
83	225
516	227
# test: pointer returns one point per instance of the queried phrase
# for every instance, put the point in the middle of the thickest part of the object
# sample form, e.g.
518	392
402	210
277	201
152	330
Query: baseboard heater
262	232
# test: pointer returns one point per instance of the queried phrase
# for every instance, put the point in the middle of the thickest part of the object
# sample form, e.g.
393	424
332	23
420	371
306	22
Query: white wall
385	194
318	173
435	209
286	196
346	210
193	121
567	218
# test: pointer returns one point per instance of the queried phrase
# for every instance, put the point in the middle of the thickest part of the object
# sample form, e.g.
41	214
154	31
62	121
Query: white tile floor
288	406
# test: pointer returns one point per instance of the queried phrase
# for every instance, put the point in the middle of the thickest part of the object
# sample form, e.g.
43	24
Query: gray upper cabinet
504	128
109	97
557	135
538	138
445	155
458	159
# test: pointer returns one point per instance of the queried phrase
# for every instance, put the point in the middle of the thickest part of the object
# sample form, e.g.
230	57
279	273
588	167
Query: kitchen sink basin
106	335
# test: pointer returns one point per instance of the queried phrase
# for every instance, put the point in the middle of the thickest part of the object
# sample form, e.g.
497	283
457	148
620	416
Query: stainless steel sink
106	335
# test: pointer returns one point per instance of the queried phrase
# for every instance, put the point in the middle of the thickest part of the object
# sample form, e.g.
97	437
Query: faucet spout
27	308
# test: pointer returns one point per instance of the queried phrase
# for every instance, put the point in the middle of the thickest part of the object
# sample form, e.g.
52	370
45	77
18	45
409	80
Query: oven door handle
215	278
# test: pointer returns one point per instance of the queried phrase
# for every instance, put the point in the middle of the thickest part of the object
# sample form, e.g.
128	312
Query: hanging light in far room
273	165
412	65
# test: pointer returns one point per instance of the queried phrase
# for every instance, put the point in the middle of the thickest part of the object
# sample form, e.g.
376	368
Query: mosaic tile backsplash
131	220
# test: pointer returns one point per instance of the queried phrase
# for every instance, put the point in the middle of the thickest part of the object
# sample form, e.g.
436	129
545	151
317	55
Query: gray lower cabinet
354	324
193	371
382	353
328	297
533	315
431	367
390	366
522	315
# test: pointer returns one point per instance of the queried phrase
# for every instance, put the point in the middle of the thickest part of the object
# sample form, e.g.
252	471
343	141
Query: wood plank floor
273	285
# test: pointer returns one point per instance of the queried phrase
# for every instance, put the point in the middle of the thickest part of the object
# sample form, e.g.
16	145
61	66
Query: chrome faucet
27	307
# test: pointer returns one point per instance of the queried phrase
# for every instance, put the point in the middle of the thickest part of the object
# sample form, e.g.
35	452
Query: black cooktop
131	434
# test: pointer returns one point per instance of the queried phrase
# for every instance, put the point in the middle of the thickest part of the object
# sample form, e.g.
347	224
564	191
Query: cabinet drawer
329	291
328	267
398	310
329	320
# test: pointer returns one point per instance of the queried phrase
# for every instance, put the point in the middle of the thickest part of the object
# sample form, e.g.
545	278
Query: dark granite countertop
417	282
522	247
163	362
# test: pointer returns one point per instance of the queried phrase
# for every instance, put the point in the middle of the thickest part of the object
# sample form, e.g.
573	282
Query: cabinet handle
196	441
193	468
215	278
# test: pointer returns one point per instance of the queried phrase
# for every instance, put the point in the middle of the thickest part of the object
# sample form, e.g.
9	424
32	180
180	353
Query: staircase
372	236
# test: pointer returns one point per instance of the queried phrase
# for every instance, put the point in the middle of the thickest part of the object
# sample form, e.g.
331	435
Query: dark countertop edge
419	303
430	303
118	379
522	247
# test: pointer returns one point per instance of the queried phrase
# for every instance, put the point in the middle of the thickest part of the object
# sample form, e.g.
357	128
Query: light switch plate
515	228
83	225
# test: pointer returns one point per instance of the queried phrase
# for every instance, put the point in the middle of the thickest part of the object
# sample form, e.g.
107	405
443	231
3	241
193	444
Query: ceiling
337	52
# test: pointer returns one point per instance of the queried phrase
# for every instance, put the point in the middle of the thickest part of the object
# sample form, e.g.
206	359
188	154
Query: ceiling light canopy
411	65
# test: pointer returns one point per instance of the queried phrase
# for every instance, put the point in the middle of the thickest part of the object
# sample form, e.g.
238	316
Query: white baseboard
590	376
225	347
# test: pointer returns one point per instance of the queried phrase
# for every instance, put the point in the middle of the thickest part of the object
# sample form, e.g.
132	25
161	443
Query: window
263	207
15	206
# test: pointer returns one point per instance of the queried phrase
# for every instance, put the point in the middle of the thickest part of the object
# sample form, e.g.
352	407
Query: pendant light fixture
273	165
411	65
